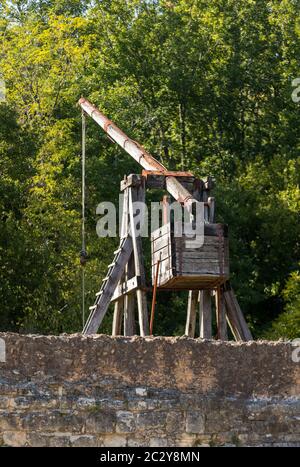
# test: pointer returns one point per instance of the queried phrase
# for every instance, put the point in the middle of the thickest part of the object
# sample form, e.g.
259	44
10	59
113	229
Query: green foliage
205	86
288	323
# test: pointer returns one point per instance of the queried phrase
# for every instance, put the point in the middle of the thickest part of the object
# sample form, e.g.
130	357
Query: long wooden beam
135	150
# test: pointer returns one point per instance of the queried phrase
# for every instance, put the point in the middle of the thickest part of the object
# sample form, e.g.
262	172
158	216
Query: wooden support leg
235	316
211	206
232	317
139	195
221	315
243	324
205	320
119	305
117	320
166	212
191	313
193	296
129	322
143	312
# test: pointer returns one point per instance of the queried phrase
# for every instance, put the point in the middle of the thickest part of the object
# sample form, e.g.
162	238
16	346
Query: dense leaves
205	86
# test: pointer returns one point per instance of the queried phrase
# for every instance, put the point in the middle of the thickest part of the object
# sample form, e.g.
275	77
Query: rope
83	181
83	254
83	296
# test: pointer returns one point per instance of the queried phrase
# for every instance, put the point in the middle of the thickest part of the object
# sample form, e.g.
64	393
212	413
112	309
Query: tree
204	85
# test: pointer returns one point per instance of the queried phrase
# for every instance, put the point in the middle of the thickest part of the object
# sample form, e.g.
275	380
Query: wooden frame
125	284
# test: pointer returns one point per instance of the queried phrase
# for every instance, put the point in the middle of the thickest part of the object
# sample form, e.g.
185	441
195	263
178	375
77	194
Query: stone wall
103	391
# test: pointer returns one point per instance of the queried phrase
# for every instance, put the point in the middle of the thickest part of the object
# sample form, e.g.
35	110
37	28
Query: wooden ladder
109	284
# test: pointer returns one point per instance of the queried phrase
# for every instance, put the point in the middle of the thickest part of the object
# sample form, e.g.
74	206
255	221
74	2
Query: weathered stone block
158	442
133	441
114	441
141	392
59	441
83	441
125	422
174	420
54	421
15	438
195	422
101	422
147	420
36	439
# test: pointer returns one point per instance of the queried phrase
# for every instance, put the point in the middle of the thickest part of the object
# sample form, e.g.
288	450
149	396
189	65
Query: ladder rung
92	307
105	279
99	293
117	251
111	265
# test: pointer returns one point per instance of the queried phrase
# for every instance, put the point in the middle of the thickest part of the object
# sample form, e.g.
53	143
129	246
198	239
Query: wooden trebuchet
184	264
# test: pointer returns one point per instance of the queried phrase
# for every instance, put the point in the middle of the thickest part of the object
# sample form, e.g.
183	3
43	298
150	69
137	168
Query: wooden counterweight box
186	266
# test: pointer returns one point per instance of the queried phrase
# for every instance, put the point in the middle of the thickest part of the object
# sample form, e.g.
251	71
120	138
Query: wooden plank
102	303
119	305
193	296
161	242
129	322
212	253
199	256
166	209
158	181
165	229
165	270
205	199
247	336
132	180
199	259
201	267
125	218
168	173
221	315
162	254
210	241
210	230
143	313
233	322
139	195
205	321
117	319
126	287
210	245
136	240
197	281
191	313
211	210
232	317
